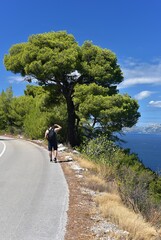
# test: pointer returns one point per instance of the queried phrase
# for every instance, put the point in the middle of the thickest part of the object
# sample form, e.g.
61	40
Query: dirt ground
80	206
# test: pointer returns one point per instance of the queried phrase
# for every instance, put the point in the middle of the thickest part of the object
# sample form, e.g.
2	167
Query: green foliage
35	123
100	149
5	102
103	113
44	112
56	59
155	189
19	108
33	113
100	64
44	56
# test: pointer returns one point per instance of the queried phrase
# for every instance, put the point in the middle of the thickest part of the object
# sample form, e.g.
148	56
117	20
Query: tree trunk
72	133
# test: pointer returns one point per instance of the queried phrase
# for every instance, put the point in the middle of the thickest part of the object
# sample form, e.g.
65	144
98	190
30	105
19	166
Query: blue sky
130	28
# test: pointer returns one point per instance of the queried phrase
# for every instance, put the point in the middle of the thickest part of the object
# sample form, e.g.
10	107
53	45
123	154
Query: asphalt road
33	193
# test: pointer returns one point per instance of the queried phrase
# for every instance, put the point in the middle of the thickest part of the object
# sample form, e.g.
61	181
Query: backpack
51	135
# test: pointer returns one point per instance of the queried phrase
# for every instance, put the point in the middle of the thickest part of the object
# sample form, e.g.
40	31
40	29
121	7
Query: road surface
33	193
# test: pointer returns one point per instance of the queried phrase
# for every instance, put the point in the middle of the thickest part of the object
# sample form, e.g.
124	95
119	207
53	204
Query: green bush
100	149
35	124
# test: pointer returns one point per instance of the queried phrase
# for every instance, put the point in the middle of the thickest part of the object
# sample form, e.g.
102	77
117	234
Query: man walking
50	135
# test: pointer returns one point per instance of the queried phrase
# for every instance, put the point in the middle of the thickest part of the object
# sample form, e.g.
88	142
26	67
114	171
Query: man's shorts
52	145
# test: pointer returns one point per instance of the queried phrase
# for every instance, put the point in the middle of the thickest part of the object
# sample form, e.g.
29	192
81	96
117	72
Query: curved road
33	193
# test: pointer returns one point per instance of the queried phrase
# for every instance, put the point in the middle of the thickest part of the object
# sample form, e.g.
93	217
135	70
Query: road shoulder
79	222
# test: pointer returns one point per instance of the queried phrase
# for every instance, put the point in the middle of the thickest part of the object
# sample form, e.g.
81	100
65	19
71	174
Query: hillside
147	129
95	208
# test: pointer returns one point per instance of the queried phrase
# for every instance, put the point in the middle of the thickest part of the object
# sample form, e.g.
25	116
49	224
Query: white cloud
155	104
15	79
143	95
139	80
20	79
136	73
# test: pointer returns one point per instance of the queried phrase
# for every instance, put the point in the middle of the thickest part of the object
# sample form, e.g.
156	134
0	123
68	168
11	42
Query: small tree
5	106
100	113
19	108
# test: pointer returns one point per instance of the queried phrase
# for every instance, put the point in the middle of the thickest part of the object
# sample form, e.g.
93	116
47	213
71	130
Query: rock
61	148
77	168
68	158
75	152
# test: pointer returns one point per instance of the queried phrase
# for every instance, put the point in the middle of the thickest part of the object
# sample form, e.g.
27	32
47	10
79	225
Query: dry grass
112	207
101	169
84	163
105	171
99	178
118	236
96	183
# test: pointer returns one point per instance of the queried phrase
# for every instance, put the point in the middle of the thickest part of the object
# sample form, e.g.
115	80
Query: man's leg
50	150
55	154
50	155
55	151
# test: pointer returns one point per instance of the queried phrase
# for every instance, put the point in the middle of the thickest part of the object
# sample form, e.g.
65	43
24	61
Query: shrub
100	149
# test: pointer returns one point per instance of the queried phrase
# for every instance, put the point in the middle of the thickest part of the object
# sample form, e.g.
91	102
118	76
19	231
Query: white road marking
4	148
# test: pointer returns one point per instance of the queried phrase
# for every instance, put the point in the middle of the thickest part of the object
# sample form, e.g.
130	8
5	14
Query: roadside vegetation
127	193
139	187
78	90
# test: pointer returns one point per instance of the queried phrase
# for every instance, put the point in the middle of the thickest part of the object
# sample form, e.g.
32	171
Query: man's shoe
50	160
55	160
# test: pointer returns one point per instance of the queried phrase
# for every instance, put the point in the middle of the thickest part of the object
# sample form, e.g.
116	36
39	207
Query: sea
147	147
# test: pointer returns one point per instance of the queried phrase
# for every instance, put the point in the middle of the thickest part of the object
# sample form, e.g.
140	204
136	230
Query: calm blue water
148	148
